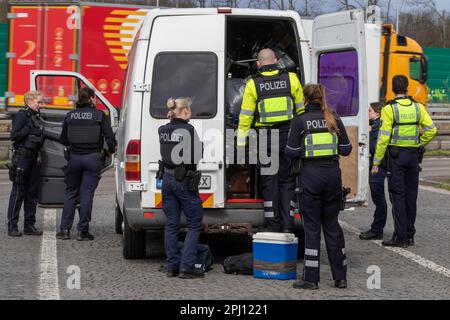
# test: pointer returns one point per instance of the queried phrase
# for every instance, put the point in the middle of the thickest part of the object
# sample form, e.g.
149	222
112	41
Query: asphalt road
44	268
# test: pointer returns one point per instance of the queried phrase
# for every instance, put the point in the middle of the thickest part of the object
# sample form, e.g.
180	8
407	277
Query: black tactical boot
302	284
31	231
192	274
63	235
14	233
85	236
341	284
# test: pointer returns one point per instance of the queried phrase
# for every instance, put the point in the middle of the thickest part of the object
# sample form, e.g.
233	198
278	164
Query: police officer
318	137
180	188
402	145
274	96
27	134
84	131
376	181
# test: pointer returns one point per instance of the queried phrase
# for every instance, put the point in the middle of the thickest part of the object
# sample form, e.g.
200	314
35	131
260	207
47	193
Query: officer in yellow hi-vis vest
273	96
401	148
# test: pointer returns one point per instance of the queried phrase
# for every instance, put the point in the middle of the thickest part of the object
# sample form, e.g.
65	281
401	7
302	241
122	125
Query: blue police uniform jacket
84	129
27	130
173	133
373	137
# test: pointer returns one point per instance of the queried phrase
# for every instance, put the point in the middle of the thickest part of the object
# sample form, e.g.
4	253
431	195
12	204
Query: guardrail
439	113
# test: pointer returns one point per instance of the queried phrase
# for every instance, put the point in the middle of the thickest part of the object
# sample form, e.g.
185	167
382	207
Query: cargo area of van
245	37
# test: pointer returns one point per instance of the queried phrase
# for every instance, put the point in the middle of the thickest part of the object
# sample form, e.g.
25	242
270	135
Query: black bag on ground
205	259
239	264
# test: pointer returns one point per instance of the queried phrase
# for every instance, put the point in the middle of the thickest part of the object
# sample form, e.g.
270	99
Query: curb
440	185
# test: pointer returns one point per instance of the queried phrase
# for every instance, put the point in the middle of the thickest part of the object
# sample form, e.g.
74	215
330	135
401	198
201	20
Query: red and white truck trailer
89	38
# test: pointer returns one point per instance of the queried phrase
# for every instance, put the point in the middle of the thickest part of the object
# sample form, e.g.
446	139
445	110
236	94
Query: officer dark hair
85	95
376	106
400	84
315	94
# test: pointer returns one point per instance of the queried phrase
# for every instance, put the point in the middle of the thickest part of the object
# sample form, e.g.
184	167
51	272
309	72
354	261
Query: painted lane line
435	190
404	253
48	280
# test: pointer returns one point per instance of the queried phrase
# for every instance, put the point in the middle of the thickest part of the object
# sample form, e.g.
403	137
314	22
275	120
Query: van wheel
300	234
133	242
118	220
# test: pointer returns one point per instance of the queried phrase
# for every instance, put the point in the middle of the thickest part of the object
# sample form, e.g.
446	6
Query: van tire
133	242
118	220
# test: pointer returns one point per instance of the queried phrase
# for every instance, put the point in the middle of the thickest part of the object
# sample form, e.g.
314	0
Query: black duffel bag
239	264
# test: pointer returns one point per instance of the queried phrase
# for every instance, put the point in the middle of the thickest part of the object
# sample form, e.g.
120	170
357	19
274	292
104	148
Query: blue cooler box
275	255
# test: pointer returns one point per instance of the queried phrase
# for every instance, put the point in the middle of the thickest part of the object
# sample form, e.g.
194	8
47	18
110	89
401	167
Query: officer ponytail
85	95
315	94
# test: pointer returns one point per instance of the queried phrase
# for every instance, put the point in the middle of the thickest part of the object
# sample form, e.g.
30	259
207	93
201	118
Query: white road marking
435	190
48	280
404	253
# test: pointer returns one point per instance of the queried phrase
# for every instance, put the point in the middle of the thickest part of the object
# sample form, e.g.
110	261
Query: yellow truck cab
402	55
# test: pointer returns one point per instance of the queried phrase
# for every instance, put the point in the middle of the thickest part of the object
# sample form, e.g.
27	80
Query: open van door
61	88
341	53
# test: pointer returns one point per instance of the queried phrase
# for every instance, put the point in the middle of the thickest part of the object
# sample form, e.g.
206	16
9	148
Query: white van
207	54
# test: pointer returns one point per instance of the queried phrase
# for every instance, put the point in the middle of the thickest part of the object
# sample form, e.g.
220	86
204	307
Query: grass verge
434	153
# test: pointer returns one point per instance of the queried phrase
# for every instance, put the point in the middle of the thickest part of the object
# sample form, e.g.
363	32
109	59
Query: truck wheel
133	242
118	220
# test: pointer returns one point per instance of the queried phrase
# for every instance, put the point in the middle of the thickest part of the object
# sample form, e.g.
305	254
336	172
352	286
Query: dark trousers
278	189
376	183
403	189
176	197
82	178
25	190
320	190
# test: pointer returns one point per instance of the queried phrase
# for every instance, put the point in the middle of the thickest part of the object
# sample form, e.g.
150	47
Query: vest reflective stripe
280	110
274	99
247	112
323	144
299	107
405	130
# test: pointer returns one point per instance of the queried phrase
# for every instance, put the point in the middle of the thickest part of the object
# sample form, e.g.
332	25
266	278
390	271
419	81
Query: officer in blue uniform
376	181
180	188
27	134
318	137
84	131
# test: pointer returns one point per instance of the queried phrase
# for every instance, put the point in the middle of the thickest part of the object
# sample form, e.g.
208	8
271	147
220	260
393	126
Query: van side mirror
424	68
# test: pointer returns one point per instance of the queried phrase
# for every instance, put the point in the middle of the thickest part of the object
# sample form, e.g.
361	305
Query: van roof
154	13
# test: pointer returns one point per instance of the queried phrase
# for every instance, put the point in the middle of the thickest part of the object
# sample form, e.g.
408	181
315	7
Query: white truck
207	54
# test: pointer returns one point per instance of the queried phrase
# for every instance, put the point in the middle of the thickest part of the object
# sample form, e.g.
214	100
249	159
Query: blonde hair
315	93
175	106
31	95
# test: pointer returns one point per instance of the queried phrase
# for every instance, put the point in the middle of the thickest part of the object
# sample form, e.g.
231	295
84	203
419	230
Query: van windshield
185	74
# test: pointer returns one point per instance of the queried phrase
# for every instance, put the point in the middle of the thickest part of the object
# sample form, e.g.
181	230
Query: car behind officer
180	188
274	96
318	137
27	134
84	131
402	145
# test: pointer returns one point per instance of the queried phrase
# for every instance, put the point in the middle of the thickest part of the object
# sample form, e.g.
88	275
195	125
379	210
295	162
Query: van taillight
224	10
133	161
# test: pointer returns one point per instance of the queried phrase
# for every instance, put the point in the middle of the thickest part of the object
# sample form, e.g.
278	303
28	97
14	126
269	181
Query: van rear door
342	51
186	62
51	84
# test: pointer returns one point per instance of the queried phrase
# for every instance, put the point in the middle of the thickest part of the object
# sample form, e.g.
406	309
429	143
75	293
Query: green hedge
3	62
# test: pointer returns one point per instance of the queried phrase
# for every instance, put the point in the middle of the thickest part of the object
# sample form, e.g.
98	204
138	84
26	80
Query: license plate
205	182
